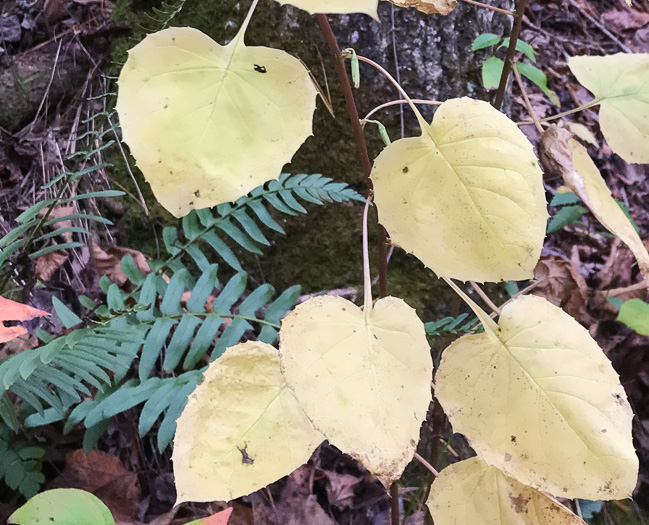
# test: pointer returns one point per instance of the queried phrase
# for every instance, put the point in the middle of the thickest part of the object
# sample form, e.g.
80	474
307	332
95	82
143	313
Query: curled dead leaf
109	262
562	285
46	265
441	7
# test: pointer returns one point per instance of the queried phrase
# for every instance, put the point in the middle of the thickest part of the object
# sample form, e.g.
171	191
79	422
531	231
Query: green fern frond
452	325
55	376
20	465
177	327
240	222
163	15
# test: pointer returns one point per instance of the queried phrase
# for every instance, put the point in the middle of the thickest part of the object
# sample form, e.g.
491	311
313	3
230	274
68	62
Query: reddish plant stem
359	138
513	40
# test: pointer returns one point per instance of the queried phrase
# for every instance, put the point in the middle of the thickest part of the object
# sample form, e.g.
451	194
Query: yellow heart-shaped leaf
471	492
466	198
242	428
362	377
208	123
369	7
538	399
583	177
620	83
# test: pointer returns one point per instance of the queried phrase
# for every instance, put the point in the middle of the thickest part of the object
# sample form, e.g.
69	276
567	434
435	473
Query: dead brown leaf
442	7
340	489
562	285
46	265
621	19
105	476
109	262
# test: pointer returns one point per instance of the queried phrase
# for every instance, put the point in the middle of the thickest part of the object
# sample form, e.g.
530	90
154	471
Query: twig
359	138
511	50
401	102
526	99
493	8
485	297
600	27
426	464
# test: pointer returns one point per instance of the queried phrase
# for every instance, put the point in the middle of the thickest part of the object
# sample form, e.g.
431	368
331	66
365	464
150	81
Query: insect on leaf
208	123
13	311
620	83
471	492
466	197
369	7
242	428
538	399
63	507
583	177
362	377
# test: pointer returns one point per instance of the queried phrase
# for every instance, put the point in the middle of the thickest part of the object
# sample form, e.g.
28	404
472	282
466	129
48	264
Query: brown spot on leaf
519	503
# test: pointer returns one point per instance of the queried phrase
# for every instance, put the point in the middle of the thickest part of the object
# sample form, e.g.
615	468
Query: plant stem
591	104
359	138
394	504
493	8
409	101
485	297
513	40
401	103
526	99
426	464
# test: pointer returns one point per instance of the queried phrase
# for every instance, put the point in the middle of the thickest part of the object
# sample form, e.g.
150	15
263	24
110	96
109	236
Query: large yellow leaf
242	428
471	493
442	7
466	197
538	399
621	84
583	177
208	123
362	377
369	7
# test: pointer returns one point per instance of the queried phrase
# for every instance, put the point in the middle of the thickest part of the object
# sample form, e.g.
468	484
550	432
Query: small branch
426	464
359	138
600	27
591	104
484	297
400	103
526	99
513	40
493	8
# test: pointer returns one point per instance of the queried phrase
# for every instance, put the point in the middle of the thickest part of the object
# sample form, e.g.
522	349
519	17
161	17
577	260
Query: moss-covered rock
323	250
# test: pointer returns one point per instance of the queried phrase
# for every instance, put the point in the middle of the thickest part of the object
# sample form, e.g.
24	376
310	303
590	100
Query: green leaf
492	70
537	76
635	314
66	316
485	40
521	46
561	199
63	507
566	216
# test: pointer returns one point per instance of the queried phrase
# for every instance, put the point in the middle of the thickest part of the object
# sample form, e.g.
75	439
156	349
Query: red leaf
13	311
220	518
